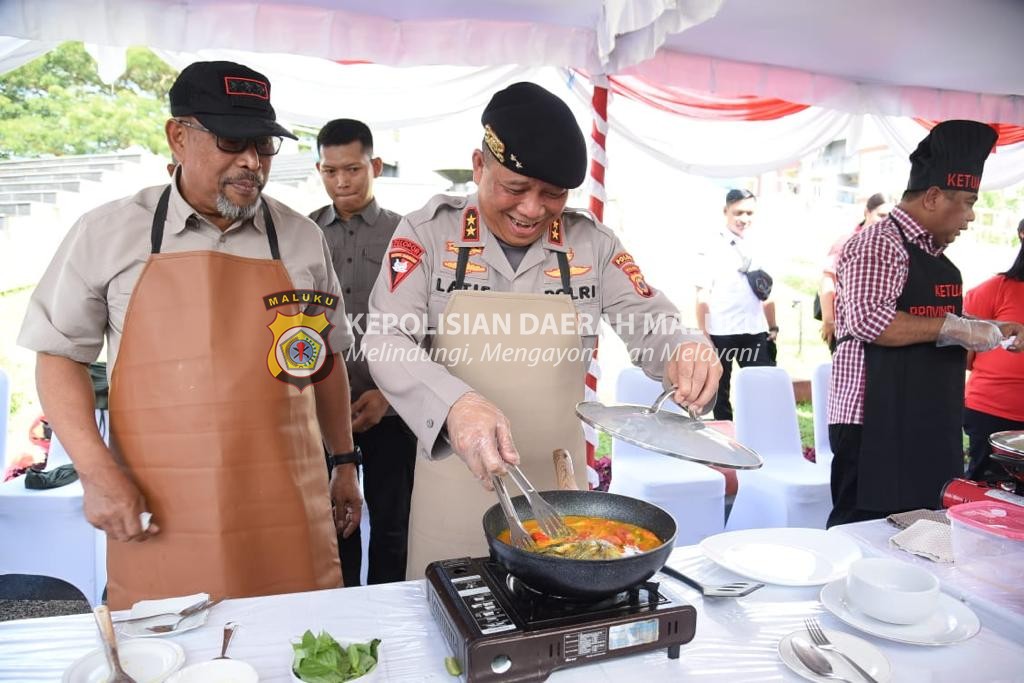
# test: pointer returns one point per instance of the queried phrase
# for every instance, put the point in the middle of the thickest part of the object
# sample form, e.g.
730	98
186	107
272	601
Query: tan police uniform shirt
84	293
357	249
416	281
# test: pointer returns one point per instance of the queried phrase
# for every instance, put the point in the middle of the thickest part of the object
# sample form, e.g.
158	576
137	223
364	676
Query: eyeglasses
266	145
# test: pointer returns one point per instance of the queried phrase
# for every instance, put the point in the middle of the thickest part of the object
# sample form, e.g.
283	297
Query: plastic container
988	541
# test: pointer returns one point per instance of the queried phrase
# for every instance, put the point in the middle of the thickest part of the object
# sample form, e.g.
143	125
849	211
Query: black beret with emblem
229	99
533	132
952	156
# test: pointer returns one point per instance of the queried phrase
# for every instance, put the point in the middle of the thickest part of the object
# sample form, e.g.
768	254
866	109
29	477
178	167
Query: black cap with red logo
229	99
952	156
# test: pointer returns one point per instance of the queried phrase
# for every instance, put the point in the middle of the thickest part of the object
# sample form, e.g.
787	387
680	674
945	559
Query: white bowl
370	675
892	591
217	671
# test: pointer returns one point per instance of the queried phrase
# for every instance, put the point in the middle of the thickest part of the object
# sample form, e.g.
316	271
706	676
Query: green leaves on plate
320	659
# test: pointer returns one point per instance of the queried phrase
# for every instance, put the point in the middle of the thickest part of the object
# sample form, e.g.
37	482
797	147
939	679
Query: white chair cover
820	381
45	532
788	491
5	409
692	493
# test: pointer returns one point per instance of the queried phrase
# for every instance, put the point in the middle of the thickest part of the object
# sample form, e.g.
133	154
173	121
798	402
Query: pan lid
1010	443
661	431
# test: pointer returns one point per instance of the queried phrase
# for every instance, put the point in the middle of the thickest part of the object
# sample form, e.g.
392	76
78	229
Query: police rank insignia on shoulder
555	232
624	262
470	225
403	257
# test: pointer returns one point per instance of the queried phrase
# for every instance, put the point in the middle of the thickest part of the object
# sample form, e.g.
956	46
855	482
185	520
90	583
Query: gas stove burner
646	592
501	629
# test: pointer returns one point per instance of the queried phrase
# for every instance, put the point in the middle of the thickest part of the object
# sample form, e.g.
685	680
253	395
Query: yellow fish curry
593	538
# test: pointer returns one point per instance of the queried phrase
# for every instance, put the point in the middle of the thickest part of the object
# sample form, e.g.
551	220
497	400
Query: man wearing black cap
501	395
898	371
219	307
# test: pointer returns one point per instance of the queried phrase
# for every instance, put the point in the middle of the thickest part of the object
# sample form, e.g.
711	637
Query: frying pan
583	579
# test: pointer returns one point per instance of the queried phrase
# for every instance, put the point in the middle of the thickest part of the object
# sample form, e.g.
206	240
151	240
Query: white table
736	640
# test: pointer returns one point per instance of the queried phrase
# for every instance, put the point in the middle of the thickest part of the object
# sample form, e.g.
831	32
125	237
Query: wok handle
565	476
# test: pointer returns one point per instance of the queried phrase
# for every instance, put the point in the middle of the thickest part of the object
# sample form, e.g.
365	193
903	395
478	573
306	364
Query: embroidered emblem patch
236	85
470	225
470	266
555	232
300	354
454	248
403	257
624	262
494	143
573	270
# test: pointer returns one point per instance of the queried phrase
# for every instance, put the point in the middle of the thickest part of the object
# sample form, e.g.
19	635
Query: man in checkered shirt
897	392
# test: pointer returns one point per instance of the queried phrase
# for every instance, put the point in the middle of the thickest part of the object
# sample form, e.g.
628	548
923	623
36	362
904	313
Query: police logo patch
403	257
624	262
300	354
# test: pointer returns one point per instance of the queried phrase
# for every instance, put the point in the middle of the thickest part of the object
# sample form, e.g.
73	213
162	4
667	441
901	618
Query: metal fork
549	521
819	638
183	615
517	533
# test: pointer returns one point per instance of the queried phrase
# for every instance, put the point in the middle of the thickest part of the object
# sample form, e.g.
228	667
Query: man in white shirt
733	307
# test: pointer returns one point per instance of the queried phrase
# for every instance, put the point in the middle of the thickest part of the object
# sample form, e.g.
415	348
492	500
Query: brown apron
538	398
228	458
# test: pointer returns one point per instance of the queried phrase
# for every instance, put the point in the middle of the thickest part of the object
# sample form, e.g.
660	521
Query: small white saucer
952	621
144	660
234	670
861	651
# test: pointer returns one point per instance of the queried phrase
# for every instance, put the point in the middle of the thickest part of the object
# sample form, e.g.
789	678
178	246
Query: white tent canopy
929	58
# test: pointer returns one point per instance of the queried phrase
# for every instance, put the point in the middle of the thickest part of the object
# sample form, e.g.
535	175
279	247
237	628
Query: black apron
913	399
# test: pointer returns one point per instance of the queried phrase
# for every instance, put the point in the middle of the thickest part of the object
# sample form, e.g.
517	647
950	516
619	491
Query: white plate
140	629
952	622
217	671
788	557
147	661
869	657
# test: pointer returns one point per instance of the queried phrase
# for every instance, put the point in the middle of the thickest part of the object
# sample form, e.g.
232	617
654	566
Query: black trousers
845	440
389	460
748	350
979	426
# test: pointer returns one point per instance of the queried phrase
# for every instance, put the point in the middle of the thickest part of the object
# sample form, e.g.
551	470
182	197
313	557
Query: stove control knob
501	664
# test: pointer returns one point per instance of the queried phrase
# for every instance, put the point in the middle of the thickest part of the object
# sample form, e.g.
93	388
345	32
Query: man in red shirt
898	372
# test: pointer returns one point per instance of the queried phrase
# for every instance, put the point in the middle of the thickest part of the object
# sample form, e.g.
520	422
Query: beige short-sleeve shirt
83	295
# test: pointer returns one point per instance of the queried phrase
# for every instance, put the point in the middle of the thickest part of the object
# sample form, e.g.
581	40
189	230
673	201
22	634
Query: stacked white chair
788	491
820	381
45	533
692	493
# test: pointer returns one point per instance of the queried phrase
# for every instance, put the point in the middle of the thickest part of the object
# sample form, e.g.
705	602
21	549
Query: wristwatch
352	457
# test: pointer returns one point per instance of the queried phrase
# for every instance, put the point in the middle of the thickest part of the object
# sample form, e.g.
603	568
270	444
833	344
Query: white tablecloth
736	640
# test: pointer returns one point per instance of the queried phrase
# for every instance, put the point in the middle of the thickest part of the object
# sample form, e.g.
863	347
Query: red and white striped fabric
598	162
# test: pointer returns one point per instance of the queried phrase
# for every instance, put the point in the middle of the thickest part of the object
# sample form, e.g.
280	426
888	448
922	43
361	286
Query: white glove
973	335
480	434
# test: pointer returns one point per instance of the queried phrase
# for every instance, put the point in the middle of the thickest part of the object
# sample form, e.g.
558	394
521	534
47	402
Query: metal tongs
549	521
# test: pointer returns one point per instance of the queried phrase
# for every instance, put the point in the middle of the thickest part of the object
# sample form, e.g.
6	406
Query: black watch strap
352	457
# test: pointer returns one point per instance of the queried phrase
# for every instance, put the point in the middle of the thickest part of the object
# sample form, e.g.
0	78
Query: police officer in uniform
896	401
511	252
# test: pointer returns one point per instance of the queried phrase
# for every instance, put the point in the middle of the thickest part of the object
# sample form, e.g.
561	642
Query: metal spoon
812	658
229	630
118	674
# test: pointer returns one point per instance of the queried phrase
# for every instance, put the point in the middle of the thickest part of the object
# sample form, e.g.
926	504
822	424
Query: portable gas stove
502	630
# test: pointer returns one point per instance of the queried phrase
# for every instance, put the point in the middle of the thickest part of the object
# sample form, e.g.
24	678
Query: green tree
57	104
